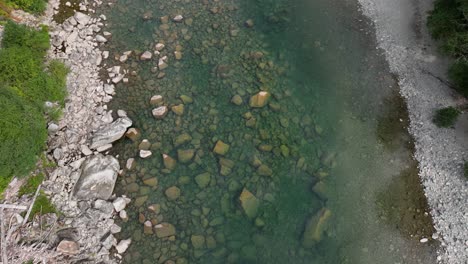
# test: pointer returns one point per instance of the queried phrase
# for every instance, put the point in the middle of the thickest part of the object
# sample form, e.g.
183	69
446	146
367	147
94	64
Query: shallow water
332	136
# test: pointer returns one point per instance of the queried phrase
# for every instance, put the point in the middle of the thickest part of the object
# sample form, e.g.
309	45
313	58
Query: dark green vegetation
31	184
448	23
446	117
42	206
31	6
27	83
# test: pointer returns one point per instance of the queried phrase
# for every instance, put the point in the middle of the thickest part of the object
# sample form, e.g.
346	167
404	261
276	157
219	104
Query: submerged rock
147	55
178	109
264	170
148	228
315	228
145	154
185	155
237	99
156	100
97	178
203	179
123	245
169	162
249	203
198	241
133	134
182	139
260	99
172	193
160	112
110	132
164	230
221	148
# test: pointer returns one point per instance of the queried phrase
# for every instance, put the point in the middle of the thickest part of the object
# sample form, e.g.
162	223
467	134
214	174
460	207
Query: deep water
322	173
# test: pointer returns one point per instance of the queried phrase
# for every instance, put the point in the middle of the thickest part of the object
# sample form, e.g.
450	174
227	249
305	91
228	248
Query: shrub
458	73
30	186
16	35
32	6
446	117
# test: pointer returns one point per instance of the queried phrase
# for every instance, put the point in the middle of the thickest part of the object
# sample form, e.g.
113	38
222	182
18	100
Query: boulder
101	39
221	148
144	145
123	245
68	247
82	18
315	228
109	133
131	164
260	99
97	178
160	112
164	230
153	181
159	46
249	203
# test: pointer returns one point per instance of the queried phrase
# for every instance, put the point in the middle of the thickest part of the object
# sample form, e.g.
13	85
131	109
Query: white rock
119	204
114	229
82	18
130	164
159	46
123	215
424	240
146	55
121	113
178	18
105	54
145	154
160	112
85	150
123	245
101	39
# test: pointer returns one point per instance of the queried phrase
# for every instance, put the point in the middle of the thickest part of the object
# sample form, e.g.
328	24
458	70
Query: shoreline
410	52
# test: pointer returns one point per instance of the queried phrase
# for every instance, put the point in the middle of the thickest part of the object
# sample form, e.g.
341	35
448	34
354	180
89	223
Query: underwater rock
226	166
185	155
159	46
148	228
147	15
172	193
178	109
156	100
178	18
237	99
249	23
164	230
145	154
221	148
198	241
320	188
315	228
160	112
178	55
131	164
147	55
186	99
264	170
182	139
260	99
144	145
169	162
249	203
203	179
153	181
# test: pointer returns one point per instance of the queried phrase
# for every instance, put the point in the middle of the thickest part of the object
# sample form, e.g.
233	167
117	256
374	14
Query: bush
32	6
446	117
458	73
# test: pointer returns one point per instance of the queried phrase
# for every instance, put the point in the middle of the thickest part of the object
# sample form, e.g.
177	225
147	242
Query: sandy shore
402	34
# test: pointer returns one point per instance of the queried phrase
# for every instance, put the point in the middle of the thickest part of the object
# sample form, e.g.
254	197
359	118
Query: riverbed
285	139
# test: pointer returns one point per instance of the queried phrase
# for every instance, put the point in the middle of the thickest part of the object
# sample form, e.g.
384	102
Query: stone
186	99
160	112
121	113
68	247
198	241
119	204
114	229
145	154
131	164
109	133
237	99
139	201
249	23
97	178
164	230
156	100
123	215
260	99
147	55
144	145
315	228
249	203
169	162
178	55
178	18
185	155
178	109
153	181
172	193
101	39
148	228
221	148
320	188
226	166
133	134
81	18
123	245
104	148
52	128
159	46
203	179
264	170
85	150
182	139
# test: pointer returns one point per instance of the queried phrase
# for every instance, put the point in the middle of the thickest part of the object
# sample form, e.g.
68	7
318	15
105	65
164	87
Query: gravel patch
402	35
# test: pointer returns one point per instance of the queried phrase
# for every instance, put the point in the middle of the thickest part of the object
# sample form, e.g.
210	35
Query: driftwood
13	206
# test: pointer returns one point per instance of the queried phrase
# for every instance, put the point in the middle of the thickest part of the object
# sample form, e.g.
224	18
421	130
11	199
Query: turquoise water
308	178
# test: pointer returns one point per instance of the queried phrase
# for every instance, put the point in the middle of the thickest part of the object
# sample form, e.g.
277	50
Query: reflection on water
269	152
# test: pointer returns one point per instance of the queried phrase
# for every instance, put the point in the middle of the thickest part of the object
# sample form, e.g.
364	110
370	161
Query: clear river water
285	139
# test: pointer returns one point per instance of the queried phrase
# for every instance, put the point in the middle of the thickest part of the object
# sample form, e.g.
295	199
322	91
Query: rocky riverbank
402	35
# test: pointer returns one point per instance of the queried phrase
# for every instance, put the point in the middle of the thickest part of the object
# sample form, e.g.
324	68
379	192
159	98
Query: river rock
151	181
160	112
260	99
249	23
119	204
101	39
186	99
144	145
320	188
198	241
97	178
178	109
221	148
203	179
178	55
159	46
169	162
109	133
264	170
131	164
249	203
156	100
182	139
172	193
123	245
147	55
178	18
133	134
148	228
123	215
145	154
315	228
81	18
185	155
164	230
237	99
68	247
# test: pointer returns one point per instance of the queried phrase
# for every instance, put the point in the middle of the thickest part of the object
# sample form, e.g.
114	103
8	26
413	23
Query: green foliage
16	35
30	186
448	23
32	6
42	206
446	117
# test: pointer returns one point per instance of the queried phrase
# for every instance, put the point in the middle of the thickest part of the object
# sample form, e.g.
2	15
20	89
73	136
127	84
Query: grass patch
446	117
26	83
31	184
42	206
31	6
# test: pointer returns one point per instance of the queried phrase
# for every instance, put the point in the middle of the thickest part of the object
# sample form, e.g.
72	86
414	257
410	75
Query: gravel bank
402	35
